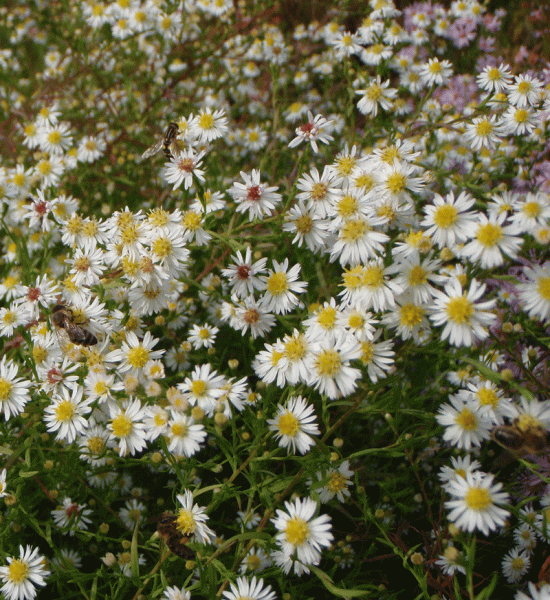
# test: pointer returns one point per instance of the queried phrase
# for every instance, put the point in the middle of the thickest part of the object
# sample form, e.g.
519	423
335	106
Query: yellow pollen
489	235
460	309
297	531
373	276
179	430
95	445
354	229
347	206
137	357
484	128
5	389
337	482
543	287
82	263
186	522
304	224
524	87
445	216
295	348
487	397
54	137
477	499
277	284
367	352
396	183
318	191
45	167
374	92
418	276
328	362
531	209
162	247
327	317
206	121
198	387
18	572
288	424
346	164
466	420
192	220
122	425
411	315
64	411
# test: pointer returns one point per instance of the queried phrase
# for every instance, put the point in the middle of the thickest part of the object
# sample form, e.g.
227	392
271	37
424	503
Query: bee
168	143
63	319
525	435
173	537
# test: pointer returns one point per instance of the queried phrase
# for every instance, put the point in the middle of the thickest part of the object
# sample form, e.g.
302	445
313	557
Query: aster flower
66	414
191	519
337	483
253	196
251	589
535	293
475	503
376	94
21	576
329	365
203	388
281	287
467	423
294	424
14	391
183	166
243	274
126	426
134	353
465	320
184	436
436	72
315	130
209	125
72	516
301	537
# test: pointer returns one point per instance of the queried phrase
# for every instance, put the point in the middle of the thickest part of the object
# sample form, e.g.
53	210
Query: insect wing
156	147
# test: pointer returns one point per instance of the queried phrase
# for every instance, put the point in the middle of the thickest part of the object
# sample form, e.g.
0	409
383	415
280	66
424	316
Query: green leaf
329	584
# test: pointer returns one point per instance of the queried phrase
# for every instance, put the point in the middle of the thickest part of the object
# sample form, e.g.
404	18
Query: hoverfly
63	319
173	537
168	143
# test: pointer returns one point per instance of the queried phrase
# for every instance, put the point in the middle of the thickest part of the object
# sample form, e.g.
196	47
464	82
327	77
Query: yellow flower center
64	411
138	357
327	317
489	235
445	215
373	276
304	224
198	387
186	522
297	531
162	247
460	309
206	121
396	183
466	419
411	315
277	284
18	571
478	499
347	206
418	276
353	229
5	389
337	482
95	445
328	362
487	397
179	430
484	128
318	191
543	287
295	348
122	425
288	424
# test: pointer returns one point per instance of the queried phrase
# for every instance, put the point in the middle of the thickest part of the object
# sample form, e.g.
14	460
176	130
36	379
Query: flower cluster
334	227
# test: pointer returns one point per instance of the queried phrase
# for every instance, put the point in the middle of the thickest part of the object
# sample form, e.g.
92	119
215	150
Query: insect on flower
173	537
168	143
63	319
